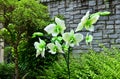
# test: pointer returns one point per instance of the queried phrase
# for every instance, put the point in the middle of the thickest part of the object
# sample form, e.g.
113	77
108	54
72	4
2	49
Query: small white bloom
88	22
54	48
40	48
90	28
57	28
88	39
72	39
83	22
60	22
50	28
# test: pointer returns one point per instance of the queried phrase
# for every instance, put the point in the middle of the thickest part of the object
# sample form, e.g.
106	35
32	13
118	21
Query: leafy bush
6	71
20	18
32	65
92	65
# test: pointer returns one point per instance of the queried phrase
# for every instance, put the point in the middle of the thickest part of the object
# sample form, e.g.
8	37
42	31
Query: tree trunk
16	64
1	51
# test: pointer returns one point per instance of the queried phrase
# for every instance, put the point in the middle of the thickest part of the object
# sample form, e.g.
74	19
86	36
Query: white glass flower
57	28
83	22
72	39
88	38
54	48
40	48
88	22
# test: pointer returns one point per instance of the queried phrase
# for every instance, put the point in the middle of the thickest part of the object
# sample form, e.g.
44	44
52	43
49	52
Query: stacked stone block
107	29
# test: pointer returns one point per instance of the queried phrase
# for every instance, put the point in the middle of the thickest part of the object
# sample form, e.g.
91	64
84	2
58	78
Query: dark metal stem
67	58
68	63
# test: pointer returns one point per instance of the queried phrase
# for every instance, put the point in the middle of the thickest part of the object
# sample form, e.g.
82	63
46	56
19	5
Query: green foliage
99	66
30	14
6	71
20	19
28	61
37	19
92	65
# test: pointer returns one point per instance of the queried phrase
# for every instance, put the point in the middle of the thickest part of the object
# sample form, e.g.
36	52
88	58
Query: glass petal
52	52
50	28
67	44
72	45
83	22
37	53
55	34
78	37
71	32
43	53
94	19
36	45
91	28
60	22
87	27
51	46
77	44
59	46
89	38
85	18
79	27
66	36
40	40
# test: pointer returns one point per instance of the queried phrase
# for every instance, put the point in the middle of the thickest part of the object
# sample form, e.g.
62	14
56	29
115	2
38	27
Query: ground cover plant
89	65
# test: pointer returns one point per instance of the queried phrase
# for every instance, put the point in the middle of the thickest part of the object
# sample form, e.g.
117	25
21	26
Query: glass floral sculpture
57	30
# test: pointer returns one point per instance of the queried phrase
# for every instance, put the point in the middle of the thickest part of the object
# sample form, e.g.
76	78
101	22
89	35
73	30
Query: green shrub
29	63
6	71
22	18
92	65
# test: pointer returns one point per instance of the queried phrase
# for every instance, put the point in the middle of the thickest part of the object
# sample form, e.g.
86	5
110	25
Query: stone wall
107	29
